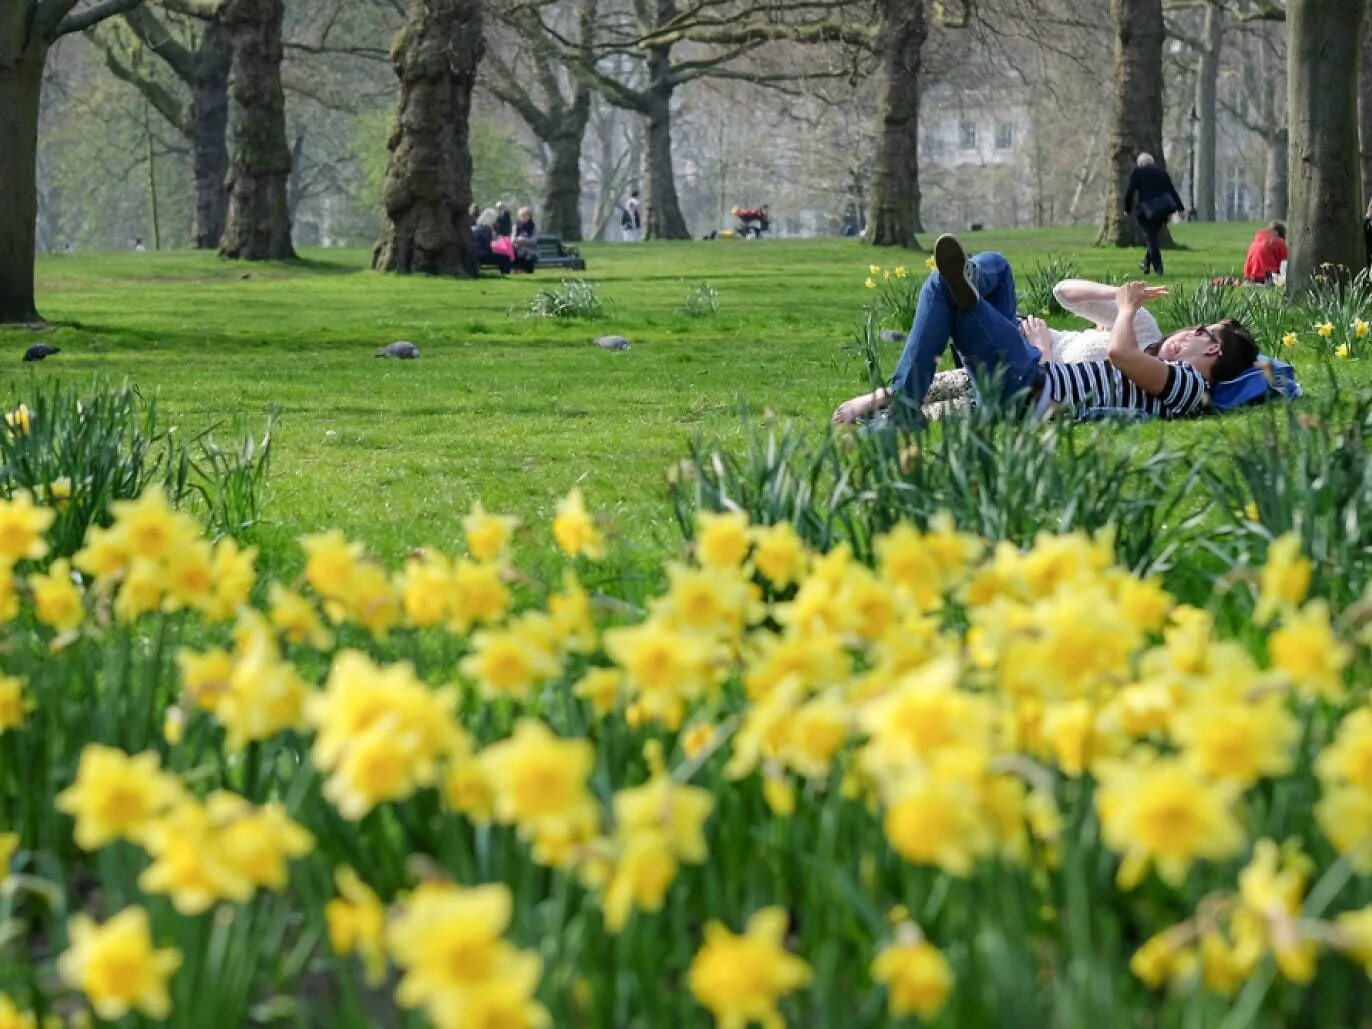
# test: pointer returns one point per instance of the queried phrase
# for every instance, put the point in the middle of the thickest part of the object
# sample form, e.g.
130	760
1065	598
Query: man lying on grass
973	303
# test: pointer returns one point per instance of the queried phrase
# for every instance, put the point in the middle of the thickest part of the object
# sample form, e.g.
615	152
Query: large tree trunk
1274	200
1207	81
1136	114
258	226
21	85
664	218
1322	90
895	176
208	120
562	193
429	177
1365	106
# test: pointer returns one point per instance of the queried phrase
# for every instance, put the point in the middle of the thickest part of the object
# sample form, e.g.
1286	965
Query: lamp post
1194	119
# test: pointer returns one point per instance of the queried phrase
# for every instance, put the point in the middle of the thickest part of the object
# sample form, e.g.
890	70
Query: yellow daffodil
1325	329
14	703
357	922
116	796
1360	328
1342	351
740	978
1290	339
574	530
917	978
22	524
117	967
487	535
870	284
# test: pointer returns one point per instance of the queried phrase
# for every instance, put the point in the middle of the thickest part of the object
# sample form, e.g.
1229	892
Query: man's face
1189	345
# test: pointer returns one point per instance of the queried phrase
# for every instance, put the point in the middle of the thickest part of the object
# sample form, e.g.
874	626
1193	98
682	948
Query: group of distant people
504	242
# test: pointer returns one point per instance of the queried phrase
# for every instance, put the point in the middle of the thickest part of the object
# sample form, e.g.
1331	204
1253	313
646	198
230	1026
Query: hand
1130	296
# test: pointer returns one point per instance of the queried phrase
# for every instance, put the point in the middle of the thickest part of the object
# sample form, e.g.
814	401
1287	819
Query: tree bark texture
21	84
207	127
1136	113
1207	81
562	192
895	199
429	176
663	217
1365	106
258	226
1322	105
1274	200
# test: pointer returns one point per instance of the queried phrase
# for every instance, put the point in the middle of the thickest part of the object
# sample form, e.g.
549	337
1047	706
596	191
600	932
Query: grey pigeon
892	336
612	343
401	348
39	351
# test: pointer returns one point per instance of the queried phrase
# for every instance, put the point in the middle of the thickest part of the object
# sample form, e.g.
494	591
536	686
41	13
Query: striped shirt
1100	385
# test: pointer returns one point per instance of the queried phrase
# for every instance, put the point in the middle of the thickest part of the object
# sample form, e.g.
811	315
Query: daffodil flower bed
793	787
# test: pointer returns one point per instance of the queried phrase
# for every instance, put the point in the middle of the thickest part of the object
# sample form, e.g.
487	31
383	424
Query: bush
999	476
83	451
702	301
1036	289
574	298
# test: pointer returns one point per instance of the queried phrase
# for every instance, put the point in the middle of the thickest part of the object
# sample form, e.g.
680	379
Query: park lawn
510	410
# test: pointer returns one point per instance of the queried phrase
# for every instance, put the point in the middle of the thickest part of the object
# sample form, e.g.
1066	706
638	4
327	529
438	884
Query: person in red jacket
1265	254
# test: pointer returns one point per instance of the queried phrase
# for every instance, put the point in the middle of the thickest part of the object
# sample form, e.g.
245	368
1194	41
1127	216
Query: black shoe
951	261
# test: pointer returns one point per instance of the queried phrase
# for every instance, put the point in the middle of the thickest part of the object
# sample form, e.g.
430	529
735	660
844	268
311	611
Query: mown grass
504	408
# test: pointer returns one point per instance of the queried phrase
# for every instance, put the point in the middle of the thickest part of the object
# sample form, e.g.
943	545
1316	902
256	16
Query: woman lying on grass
1122	364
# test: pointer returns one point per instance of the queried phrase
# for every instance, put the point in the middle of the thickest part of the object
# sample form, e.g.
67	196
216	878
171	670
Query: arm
1131	191
1095	302
1147	372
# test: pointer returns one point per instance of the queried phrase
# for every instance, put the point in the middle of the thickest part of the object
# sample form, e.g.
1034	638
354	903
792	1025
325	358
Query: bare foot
1036	331
855	410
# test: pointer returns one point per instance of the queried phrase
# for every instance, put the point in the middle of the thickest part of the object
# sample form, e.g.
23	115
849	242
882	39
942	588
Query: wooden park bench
552	254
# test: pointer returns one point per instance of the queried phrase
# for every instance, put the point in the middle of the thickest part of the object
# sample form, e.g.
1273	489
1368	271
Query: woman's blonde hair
523	211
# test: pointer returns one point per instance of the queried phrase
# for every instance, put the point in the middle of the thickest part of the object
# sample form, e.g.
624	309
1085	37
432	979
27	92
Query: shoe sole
951	261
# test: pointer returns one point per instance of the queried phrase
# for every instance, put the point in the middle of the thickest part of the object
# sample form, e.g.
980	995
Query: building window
969	135
1005	136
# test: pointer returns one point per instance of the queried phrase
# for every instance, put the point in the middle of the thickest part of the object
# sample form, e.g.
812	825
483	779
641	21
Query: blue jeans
987	338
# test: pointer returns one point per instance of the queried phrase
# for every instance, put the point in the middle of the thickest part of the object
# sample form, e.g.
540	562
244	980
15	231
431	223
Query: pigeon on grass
402	348
39	351
612	343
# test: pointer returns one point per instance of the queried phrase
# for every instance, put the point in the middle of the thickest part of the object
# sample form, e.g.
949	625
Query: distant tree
1322	84
429	177
28	29
557	115
1136	110
198	54
258	226
1365	105
902	29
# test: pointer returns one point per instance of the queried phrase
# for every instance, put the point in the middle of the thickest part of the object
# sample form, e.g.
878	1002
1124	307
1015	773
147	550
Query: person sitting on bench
483	234
973	303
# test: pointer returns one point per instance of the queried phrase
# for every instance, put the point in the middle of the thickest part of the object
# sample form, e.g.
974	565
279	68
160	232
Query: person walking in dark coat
1152	199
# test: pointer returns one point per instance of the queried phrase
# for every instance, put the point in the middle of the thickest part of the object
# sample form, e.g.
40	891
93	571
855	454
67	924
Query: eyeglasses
1204	331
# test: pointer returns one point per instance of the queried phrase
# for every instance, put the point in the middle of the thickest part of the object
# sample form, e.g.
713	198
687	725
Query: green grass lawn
504	408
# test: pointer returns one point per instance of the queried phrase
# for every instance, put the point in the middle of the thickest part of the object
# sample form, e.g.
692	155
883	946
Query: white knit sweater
1092	344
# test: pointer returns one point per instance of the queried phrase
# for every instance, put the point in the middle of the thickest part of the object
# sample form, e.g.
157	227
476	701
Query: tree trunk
1136	114
895	176
429	176
562	193
258	226
1365	106
1322	85
1274	200
1207	81
208	131
664	219
21	85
